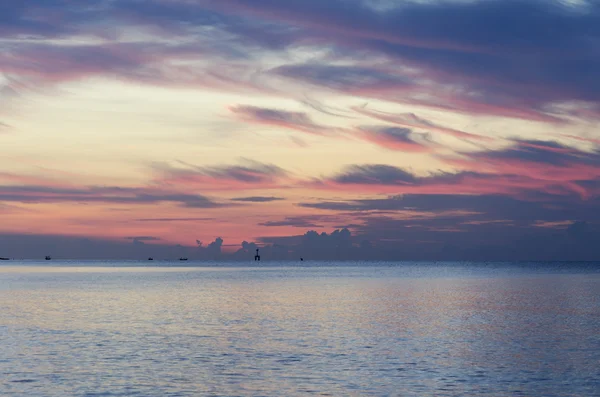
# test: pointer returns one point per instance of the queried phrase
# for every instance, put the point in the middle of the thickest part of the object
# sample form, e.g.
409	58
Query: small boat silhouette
151	259
48	257
4	259
183	259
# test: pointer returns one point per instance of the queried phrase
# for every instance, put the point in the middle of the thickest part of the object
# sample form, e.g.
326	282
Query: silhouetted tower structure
257	257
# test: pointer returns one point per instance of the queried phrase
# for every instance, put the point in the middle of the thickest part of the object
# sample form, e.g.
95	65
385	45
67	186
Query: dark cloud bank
380	238
513	58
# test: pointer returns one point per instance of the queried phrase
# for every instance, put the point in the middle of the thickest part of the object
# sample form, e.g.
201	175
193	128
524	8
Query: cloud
34	66
171	45
545	163
394	138
4	128
141	239
258	199
391	138
488	207
40	18
193	219
528	59
36	246
298	121
444	39
525	168
537	151
354	80
428	53
252	172
380	238
595	141
302	222
475	227
325	109
413	121
102	194
381	178
374	174
249	174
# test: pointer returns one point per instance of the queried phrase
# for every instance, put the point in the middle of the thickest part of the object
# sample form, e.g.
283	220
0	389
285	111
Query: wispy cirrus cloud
187	219
298	121
257	199
247	175
395	138
354	80
436	46
392	138
386	179
444	41
595	141
102	194
427	53
413	121
296	221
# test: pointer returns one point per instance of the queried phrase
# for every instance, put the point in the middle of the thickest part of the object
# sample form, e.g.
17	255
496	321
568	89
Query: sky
332	129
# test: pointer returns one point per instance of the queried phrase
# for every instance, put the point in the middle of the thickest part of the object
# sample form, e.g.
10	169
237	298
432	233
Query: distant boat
48	257
183	259
151	259
4	259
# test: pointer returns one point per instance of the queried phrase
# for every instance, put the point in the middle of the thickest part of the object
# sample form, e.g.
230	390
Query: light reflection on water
445	330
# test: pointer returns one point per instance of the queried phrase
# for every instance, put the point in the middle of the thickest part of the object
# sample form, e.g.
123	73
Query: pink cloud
583	139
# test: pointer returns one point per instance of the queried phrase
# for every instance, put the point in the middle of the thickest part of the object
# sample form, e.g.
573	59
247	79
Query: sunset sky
446	126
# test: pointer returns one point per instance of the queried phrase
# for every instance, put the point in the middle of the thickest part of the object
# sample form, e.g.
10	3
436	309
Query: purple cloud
429	53
258	199
298	121
102	194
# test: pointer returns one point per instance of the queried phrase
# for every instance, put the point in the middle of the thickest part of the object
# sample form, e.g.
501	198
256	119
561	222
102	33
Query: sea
90	328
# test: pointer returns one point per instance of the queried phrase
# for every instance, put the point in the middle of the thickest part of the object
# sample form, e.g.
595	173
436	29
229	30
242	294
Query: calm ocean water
445	329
